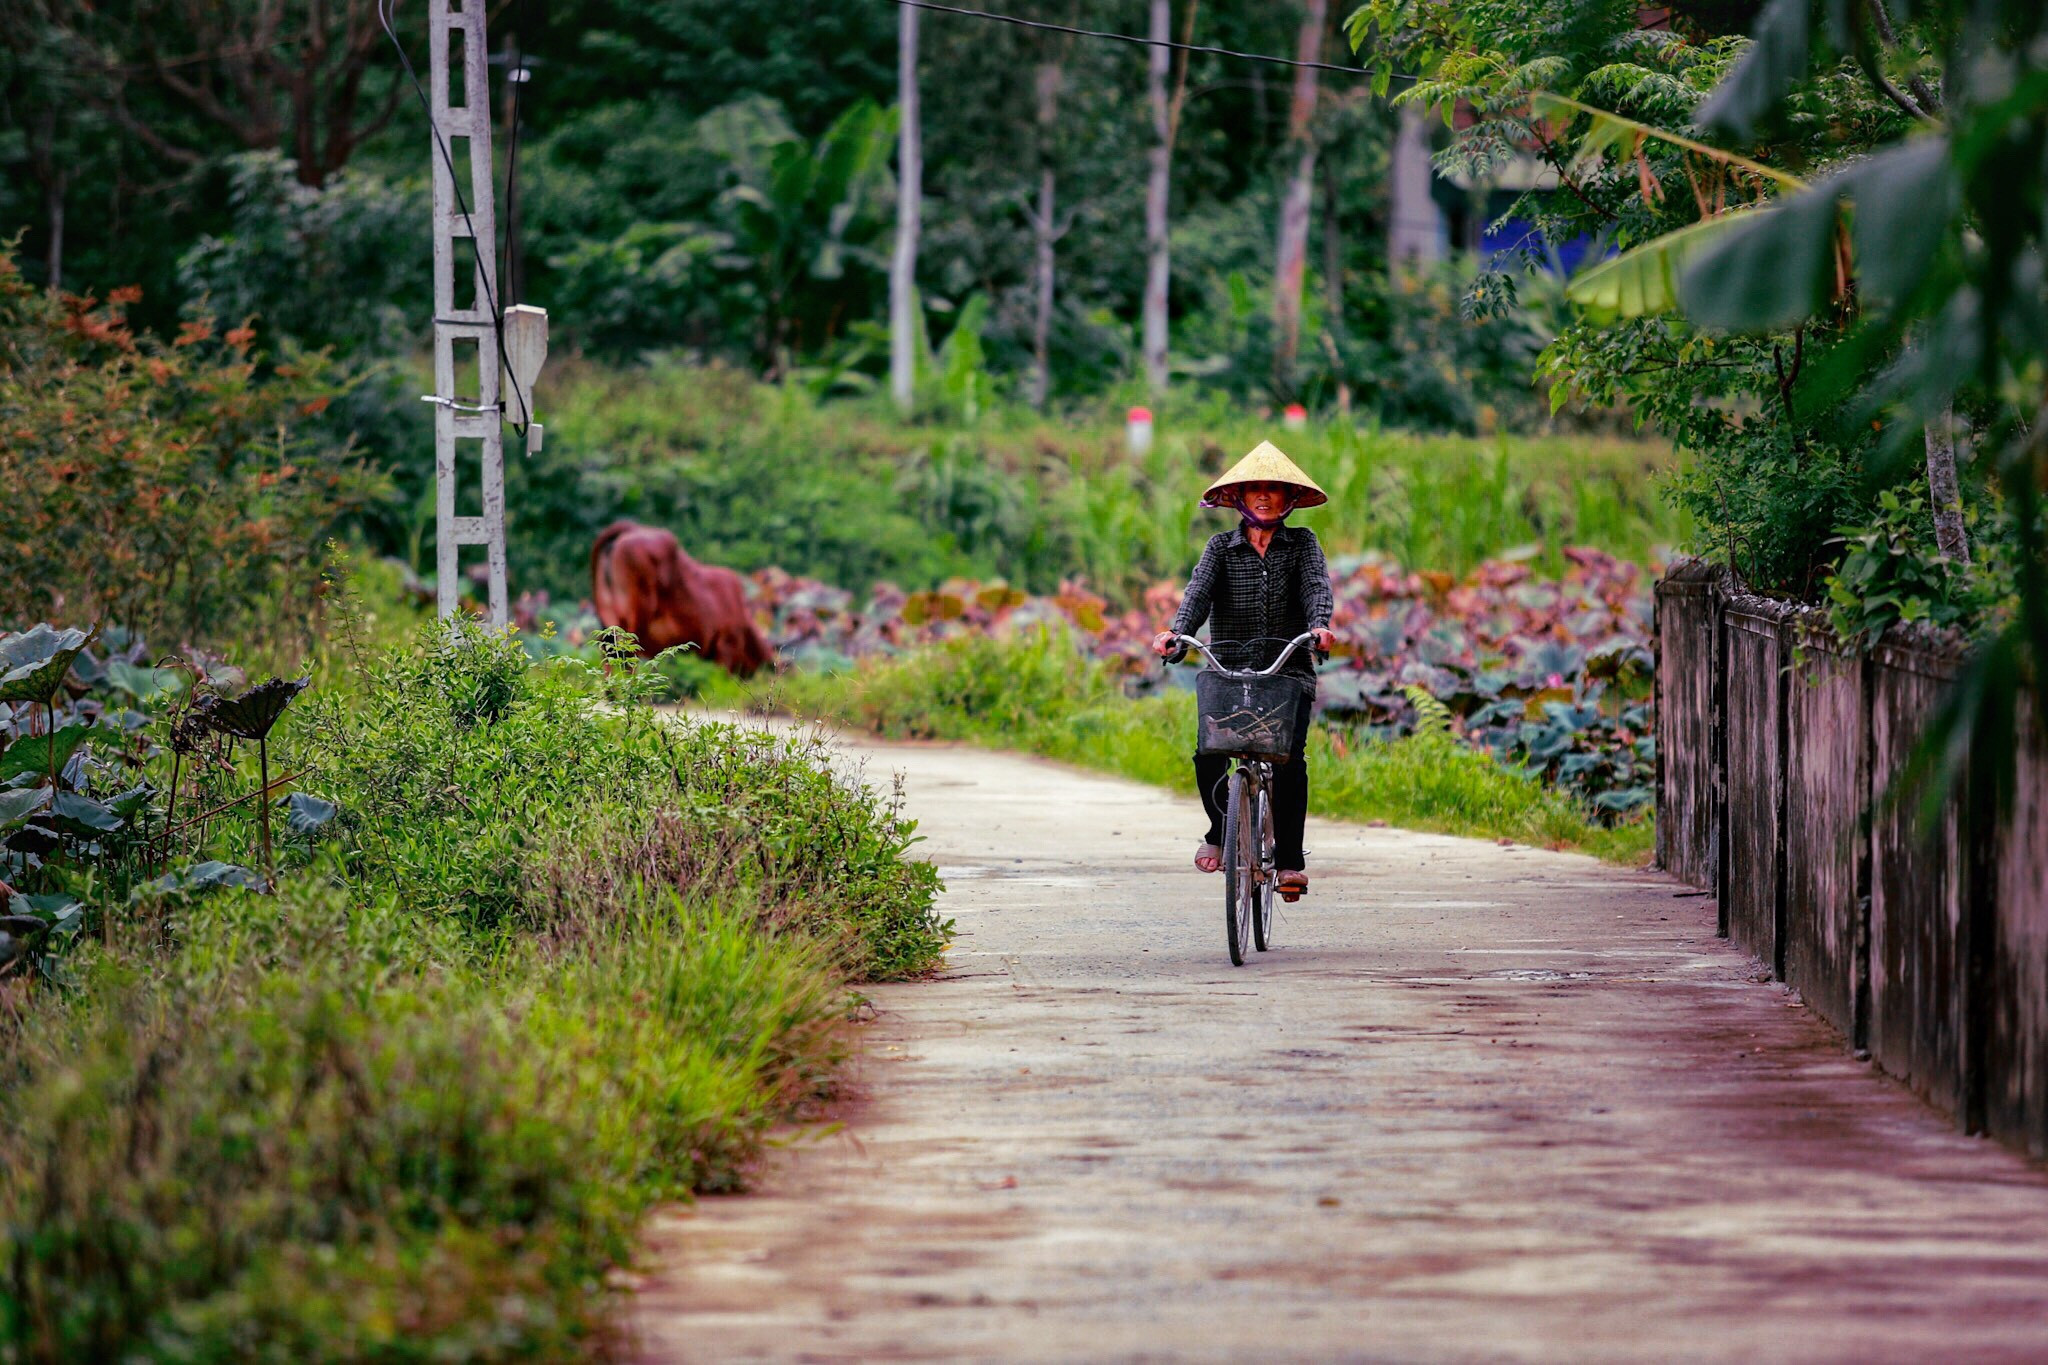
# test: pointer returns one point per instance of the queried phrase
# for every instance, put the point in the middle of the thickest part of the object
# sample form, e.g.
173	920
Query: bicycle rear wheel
1240	867
1262	911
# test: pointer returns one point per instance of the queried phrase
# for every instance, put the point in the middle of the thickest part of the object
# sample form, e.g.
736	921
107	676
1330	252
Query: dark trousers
1290	791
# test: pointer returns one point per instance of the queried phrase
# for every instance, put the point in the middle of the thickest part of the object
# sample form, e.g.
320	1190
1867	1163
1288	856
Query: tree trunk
53	254
1044	234
1158	186
1333	282
909	208
1943	490
1415	230
55	179
1291	264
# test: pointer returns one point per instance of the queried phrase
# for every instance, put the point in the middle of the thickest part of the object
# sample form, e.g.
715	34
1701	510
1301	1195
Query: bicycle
1249	715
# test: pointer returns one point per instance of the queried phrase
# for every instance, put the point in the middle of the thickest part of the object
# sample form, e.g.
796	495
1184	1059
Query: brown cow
641	580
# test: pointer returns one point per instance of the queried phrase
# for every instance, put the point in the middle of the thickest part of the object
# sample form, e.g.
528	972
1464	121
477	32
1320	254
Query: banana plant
803	213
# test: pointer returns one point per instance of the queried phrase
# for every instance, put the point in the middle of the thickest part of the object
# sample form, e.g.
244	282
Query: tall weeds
554	960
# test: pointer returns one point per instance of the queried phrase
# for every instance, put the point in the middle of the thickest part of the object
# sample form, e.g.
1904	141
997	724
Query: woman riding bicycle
1259	586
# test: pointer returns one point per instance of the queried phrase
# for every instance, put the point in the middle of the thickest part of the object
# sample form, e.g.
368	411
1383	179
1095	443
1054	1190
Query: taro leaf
921	608
211	873
33	663
20	805
84	813
1575	718
1549	659
307	814
1546	742
1623	799
251	715
1618	658
140	682
31	754
1496	713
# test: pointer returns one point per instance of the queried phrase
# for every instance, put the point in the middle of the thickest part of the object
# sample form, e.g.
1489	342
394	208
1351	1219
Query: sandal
1293	881
1208	858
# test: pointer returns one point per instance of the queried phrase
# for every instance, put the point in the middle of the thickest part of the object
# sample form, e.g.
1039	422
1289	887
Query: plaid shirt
1268	598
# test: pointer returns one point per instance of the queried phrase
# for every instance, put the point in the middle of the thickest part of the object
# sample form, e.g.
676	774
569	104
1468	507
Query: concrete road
1480	1103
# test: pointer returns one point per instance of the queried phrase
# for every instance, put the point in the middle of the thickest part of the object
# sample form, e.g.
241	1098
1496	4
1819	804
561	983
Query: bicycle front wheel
1240	867
1262	909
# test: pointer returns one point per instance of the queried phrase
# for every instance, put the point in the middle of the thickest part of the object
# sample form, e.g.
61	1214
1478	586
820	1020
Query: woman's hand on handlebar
1170	646
1326	640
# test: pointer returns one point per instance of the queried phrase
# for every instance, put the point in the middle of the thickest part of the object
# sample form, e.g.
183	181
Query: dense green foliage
554	958
1847	303
166	485
754	475
1040	694
717	177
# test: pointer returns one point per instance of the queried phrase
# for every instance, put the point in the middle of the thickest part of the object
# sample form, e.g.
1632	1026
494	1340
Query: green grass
752	475
1042	696
556	959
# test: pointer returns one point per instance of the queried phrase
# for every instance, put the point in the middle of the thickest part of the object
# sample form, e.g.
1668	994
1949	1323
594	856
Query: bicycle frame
1250	885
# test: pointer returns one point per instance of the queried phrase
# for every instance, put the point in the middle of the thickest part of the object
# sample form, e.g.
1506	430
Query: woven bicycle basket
1248	717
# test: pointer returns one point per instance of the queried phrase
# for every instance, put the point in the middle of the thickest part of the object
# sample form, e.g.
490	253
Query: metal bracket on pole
465	129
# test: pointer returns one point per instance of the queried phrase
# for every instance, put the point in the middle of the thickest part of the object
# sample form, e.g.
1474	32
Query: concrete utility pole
903	319
466	411
1158	195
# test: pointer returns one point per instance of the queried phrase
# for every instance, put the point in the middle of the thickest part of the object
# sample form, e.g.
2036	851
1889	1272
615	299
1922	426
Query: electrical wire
519	74
461	202
1266	57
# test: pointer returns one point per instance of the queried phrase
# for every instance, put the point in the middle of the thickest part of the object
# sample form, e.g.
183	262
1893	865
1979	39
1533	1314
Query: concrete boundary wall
1924	940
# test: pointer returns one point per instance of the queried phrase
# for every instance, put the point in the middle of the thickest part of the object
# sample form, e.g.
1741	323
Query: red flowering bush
167	485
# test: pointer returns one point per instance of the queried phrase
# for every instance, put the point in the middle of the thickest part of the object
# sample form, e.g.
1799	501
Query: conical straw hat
1268	464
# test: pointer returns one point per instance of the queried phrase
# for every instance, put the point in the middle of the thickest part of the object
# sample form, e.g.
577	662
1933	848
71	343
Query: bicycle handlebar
1188	642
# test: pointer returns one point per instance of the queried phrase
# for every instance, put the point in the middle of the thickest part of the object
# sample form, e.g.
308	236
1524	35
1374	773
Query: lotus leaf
20	805
202	876
34	662
56	910
142	683
251	715
307	814
80	813
32	754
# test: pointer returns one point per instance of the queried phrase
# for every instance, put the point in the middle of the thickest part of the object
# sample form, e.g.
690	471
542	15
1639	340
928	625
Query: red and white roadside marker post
1138	430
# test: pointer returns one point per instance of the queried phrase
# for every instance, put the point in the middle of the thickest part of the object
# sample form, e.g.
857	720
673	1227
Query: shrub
531	797
555	959
171	487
